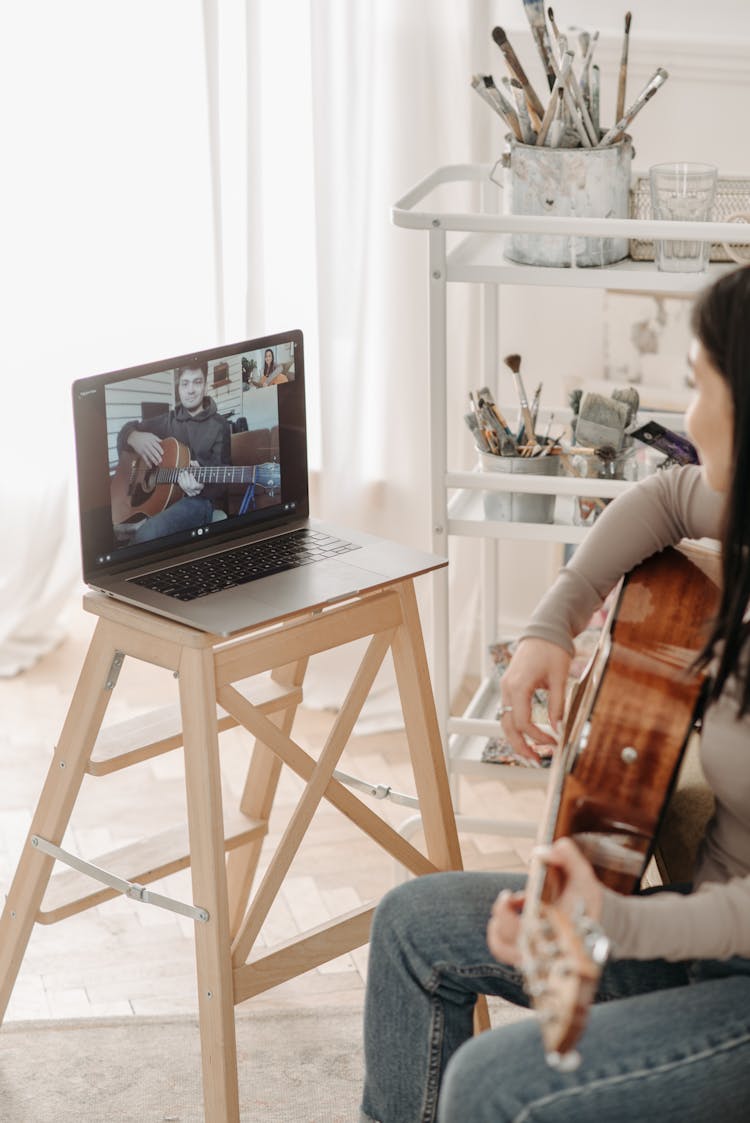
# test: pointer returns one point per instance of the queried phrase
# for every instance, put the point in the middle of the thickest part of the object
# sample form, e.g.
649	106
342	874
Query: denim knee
478	1084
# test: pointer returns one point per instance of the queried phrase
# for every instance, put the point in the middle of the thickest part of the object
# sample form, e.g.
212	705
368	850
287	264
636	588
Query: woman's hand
504	927
580	887
536	663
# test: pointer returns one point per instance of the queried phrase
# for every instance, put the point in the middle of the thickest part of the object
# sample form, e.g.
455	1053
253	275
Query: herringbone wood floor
127	958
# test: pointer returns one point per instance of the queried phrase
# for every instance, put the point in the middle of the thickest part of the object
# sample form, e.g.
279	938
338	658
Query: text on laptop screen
203	445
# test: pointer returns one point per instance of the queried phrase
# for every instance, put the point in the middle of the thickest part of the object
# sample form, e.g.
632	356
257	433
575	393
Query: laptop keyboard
203	576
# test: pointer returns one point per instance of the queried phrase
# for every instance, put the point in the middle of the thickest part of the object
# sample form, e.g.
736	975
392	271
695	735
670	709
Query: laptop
193	492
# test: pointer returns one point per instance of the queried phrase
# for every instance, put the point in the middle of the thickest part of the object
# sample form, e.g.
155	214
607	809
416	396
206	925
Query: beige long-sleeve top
714	921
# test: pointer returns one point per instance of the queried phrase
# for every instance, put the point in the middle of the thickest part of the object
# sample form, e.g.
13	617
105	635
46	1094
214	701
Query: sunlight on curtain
266	178
107	251
307	118
391	101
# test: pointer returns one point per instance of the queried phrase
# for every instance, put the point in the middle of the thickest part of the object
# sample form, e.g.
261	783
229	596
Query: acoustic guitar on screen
138	489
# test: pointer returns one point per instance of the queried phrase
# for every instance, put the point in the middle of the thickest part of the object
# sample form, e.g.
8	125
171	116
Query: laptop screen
198	447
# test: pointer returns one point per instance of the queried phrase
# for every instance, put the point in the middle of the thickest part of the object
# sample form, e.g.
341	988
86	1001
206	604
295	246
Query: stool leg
428	759
206	830
257	801
423	735
55	806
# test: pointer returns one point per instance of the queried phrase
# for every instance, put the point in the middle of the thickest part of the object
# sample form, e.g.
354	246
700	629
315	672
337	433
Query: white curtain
107	254
183	173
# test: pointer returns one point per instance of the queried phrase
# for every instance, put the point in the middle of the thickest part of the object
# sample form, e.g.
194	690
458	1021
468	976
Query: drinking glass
682	192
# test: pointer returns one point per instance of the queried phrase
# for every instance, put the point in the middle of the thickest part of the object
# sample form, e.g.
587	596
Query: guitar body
136	489
627	725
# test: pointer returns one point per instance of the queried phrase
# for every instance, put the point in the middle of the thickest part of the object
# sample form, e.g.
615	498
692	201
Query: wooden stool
224	856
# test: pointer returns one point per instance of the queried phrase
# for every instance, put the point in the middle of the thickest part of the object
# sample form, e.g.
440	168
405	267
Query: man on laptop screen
192	432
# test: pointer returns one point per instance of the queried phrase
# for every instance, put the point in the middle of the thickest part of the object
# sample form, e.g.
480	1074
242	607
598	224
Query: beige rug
294	1067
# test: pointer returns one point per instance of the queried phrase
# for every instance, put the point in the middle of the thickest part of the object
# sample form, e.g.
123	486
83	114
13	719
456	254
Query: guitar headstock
562	962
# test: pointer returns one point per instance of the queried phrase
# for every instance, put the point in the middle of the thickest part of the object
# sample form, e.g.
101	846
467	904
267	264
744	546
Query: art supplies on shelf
601	441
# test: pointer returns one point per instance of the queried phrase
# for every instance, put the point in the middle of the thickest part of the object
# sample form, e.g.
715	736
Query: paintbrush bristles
514	362
536	109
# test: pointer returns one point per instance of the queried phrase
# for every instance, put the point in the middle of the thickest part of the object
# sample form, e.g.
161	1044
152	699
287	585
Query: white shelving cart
475	256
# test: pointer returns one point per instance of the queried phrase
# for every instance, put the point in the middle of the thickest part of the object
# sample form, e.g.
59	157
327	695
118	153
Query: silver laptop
193	492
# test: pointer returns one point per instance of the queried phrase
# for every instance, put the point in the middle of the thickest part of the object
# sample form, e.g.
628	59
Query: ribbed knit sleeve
658	512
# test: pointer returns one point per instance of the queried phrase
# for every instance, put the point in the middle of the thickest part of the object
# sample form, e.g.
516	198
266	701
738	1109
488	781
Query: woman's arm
711	923
655	513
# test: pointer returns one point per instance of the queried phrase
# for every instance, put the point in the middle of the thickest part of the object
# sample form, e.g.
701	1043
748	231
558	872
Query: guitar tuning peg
598	946
564	1062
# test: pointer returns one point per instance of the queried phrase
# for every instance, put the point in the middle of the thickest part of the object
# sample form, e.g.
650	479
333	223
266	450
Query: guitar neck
219	474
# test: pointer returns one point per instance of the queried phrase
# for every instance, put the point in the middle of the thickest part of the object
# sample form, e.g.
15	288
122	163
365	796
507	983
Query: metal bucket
520	507
567	183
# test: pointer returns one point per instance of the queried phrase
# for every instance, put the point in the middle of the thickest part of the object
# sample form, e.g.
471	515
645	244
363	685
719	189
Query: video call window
229	409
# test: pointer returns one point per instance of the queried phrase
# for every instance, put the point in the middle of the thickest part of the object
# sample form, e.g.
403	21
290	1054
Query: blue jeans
188	512
666	1042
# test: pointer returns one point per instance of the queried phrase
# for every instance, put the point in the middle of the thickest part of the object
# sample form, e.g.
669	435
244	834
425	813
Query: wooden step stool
224	854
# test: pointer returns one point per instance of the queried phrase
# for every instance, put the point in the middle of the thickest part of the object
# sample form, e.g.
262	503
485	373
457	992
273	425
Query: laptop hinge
130	888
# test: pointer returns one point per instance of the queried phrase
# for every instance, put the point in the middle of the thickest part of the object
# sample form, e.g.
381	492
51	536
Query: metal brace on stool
130	888
379	791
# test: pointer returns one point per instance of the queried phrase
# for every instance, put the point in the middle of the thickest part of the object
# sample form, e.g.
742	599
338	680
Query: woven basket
732	197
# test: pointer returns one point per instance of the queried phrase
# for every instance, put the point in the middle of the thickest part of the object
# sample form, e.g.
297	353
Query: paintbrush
524	120
623	69
577	96
588	54
654	83
535	406
536	109
570	101
558	128
554	101
595	98
527	429
493	99
505	101
553	25
535	15
480	440
602	420
486	400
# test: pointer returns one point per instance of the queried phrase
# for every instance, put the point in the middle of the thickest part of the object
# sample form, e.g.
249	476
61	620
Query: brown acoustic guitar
627	722
137	489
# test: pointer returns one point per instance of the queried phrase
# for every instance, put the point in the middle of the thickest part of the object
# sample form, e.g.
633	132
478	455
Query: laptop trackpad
315	583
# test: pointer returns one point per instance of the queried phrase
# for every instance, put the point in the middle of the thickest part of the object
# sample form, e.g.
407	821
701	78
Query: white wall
699	115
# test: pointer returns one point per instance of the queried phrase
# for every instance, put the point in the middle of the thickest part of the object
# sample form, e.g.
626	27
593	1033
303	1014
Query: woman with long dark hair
668	1038
272	372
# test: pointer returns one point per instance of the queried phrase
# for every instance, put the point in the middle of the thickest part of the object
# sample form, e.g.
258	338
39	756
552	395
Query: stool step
159	731
149	860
